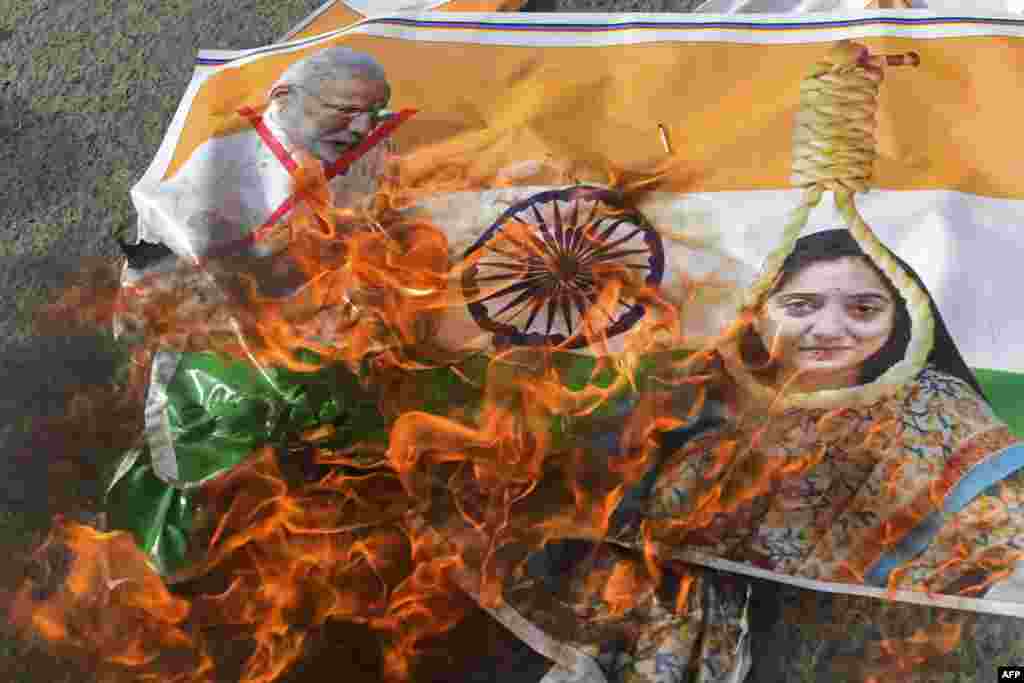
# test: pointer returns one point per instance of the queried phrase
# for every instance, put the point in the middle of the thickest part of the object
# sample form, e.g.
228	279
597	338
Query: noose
834	149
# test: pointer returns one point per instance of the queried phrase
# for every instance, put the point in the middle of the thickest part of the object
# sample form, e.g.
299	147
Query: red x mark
339	167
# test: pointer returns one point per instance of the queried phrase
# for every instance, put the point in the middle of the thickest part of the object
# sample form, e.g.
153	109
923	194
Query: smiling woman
885	491
833	319
826	321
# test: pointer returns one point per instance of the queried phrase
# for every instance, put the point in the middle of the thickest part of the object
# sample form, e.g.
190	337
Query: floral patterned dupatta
918	491
905	486
916	496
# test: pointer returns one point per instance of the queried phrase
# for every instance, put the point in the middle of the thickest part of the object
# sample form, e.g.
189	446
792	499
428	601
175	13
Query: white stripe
363	7
1010	589
1011	6
961	245
811	29
774	6
158	429
807	33
744	656
572	665
953	6
379	7
985	605
125	465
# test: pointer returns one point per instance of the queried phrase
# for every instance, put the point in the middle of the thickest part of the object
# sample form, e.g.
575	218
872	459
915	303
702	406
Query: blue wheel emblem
539	270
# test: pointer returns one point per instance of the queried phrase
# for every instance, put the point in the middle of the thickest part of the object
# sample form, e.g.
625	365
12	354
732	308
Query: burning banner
614	315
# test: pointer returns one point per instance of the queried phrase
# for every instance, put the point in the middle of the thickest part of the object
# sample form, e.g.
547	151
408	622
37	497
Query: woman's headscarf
829	245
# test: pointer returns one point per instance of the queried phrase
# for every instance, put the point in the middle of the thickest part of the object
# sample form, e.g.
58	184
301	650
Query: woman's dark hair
830	245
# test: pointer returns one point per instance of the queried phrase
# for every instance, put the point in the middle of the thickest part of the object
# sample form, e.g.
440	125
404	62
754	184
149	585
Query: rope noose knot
834	148
834	132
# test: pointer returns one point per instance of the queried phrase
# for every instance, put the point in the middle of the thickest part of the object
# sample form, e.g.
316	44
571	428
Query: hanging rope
834	149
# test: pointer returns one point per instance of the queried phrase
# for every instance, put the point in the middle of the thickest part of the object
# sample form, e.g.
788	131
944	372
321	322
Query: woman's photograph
804	493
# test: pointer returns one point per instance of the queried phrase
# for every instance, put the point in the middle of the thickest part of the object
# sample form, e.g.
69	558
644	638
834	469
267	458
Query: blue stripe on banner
980	478
536	27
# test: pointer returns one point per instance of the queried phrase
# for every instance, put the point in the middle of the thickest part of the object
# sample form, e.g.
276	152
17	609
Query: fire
96	594
387	537
685	586
906	658
627	585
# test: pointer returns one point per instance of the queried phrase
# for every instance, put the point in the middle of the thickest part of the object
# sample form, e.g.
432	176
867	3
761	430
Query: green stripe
1005	390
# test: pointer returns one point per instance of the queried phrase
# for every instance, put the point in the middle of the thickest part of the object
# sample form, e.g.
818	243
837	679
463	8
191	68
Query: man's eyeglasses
377	114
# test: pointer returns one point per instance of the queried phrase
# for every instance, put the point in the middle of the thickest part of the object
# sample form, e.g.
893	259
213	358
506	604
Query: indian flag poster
676	303
943	184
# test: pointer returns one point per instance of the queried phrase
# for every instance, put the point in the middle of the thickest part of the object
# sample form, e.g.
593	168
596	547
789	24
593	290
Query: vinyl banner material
335	14
713	294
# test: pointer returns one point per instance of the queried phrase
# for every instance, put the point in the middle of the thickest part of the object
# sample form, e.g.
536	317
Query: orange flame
386	538
627	585
99	597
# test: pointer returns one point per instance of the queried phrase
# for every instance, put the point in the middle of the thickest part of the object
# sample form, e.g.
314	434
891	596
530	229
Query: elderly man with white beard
233	185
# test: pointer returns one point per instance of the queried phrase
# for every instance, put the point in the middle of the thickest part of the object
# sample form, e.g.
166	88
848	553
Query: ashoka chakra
541	264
